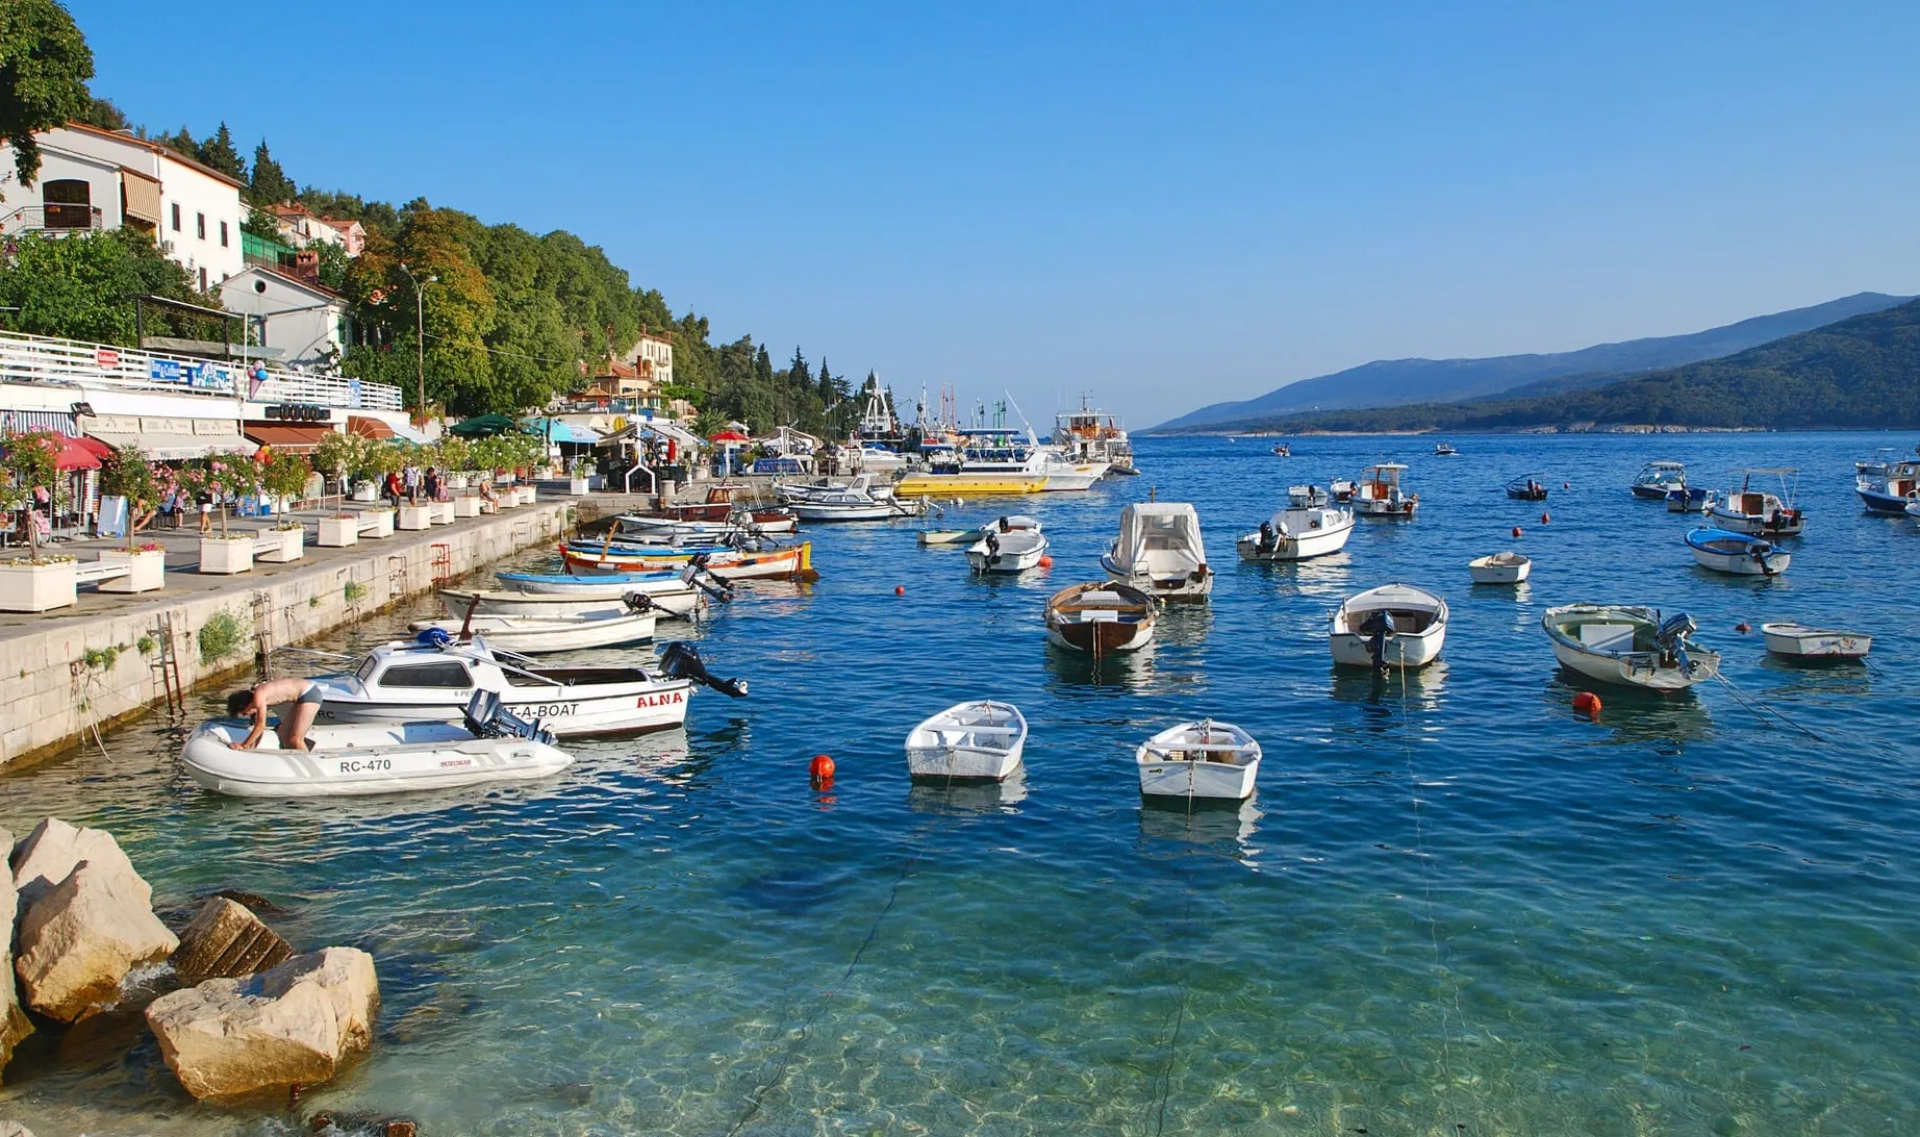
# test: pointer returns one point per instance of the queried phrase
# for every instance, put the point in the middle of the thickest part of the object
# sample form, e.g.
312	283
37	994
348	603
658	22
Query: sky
1161	205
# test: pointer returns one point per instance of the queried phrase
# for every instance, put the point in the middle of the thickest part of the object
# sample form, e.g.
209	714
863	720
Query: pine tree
798	373
763	366
271	185
219	152
826	376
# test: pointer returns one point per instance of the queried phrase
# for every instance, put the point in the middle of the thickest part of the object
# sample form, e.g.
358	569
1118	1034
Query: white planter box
457	482
442	512
506	497
222	557
578	486
527	494
148	570
281	545
383	523
36	588
414	517
366	491
339	532
465	506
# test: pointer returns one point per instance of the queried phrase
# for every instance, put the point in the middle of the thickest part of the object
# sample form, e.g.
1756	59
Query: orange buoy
1743	629
1587	703
1516	530
899	590
820	772
1046	561
1545	518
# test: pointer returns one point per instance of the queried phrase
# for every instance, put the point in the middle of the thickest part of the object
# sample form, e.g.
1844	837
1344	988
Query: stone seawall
63	680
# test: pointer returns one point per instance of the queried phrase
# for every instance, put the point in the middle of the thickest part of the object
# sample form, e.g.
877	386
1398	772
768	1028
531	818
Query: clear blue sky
1166	206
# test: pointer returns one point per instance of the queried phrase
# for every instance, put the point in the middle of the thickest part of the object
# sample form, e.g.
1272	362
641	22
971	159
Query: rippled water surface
1454	907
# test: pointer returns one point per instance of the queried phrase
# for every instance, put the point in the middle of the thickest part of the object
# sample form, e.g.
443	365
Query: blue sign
646	413
165	370
353	392
208	377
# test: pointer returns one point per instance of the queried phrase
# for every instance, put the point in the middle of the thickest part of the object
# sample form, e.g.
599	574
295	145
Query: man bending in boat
304	694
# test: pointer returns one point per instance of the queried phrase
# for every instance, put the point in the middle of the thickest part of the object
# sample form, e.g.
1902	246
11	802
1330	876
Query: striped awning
20	422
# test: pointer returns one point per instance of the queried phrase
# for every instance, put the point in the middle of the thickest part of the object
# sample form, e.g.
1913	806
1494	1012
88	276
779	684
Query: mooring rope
1761	710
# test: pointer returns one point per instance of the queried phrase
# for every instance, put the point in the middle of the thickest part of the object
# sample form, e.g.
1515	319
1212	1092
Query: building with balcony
652	357
102	179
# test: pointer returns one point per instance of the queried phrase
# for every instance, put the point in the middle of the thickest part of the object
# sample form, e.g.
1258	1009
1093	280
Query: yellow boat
967	485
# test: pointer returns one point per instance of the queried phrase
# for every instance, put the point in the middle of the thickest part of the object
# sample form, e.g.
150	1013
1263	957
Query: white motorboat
680	600
1204	759
539	635
1500	568
1445	450
1015	550
790	493
1065	473
1342	490
1657	479
1308	527
969	536
1101	618
1629	645
1380	494
1395	625
1737	554
432	679
1913	510
1160	552
977	741
1799	641
376	758
855	503
1757	512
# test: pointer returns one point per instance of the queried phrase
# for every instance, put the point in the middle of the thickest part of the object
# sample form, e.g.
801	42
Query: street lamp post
420	335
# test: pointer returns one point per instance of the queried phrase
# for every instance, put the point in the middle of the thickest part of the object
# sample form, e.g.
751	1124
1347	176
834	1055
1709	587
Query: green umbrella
482	426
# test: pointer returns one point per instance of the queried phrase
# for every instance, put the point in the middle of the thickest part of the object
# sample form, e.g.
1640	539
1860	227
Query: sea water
1453	907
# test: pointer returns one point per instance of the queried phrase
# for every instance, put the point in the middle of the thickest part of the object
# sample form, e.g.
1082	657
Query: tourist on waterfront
206	500
431	479
393	489
413	485
305	696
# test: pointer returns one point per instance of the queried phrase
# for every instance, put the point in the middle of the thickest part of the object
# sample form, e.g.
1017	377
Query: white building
303	324
102	179
652	357
300	228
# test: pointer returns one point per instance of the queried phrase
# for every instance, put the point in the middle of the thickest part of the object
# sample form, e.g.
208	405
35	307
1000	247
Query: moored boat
975	741
1011	550
1887	487
1629	645
1307	527
1800	641
1160	552
1284	450
1689	499
1760	513
1380	494
1528	487
1101	618
540	635
1203	759
1656	479
1445	450
1736	554
1500	568
1394	625
855	503
794	562
671	600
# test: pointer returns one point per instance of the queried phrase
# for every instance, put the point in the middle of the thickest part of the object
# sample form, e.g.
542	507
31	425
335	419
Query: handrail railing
42	359
52	217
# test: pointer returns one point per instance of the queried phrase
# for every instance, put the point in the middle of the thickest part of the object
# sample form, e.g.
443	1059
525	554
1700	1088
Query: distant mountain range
1855	374
1397	382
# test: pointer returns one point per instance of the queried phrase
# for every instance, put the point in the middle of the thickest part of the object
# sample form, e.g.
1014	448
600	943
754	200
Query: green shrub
225	634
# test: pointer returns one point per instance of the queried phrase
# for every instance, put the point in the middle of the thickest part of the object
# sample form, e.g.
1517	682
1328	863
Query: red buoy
1516	530
1046	561
820	772
1587	703
1545	518
899	590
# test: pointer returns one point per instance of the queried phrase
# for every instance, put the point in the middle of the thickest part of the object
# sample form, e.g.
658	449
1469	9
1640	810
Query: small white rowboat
1500	568
1202	759
978	741
684	601
536	635
1395	625
1798	641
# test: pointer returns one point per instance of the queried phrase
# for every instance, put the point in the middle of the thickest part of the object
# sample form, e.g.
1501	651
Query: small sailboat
977	741
1801	642
1500	568
1528	487
1656	479
1379	493
1203	759
1689	499
1014	550
1101	618
1758	512
1445	450
1395	625
1307	527
1629	645
1736	554
1160	552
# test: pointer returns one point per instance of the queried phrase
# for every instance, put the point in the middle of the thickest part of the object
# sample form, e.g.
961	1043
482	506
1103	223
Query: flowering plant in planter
285	477
29	461
226	477
131	475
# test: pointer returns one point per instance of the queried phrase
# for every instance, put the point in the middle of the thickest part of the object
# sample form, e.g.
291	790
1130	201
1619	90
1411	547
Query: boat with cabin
1761	513
1736	554
975	741
1657	479
1629	645
1445	450
1887	487
1101	618
1379	493
1089	435
1160	552
1065	473
855	503
1205	759
1310	526
1392	626
989	462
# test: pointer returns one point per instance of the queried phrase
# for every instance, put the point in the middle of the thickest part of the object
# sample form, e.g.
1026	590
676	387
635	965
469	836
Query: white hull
354	761
1797	641
1755	526
1495	570
618	708
1610	644
1019	551
551	605
980	741
1607	669
1405	651
1402	509
1079	476
1405	648
1312	543
1168	591
880	511
1741	564
533	635
1198	779
1204	759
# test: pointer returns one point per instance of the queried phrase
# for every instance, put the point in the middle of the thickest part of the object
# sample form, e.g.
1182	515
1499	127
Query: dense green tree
105	115
44	67
797	371
218	151
270	184
763	367
82	286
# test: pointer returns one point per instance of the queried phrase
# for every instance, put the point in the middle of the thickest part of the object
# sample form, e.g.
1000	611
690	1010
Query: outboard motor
1672	636
1267	538
434	637
682	660
993	546
637	602
1378	628
487	718
691	575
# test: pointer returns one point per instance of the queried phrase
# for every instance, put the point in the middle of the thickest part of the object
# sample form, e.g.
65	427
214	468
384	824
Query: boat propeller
682	660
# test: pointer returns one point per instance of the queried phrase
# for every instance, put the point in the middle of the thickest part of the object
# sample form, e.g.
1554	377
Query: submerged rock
300	1022
225	940
50	852
79	940
14	1023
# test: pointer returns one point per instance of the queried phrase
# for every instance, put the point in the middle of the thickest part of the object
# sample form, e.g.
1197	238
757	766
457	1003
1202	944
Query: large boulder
300	1022
14	1023
78	941
225	940
48	855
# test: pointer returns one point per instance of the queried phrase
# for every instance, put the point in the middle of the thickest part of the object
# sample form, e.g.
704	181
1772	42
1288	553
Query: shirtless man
304	694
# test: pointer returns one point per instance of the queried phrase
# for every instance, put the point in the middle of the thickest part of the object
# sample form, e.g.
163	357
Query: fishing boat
1758	512
977	741
1445	450
674	592
1101	618
1799	641
1307	527
1341	490
1065	473
1689	499
992	462
855	503
1203	759
491	745
1379	493
679	602
1528	487
1500	568
1628	645
431	679
1013	550
1736	554
540	635
1089	435
1887	487
1395	625
1160	552
1656	479
794	562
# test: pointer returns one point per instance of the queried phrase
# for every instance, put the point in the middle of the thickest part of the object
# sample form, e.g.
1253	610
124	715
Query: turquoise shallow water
1454	907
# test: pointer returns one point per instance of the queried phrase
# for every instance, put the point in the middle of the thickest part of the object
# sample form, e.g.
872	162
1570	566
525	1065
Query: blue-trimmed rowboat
1738	554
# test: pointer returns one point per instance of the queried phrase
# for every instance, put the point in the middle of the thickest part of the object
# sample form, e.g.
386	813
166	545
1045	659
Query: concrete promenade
66	673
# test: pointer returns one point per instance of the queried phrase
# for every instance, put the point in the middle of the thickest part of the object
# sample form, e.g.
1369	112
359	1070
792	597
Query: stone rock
14	1023
225	941
78	941
50	852
14	1129
298	1023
